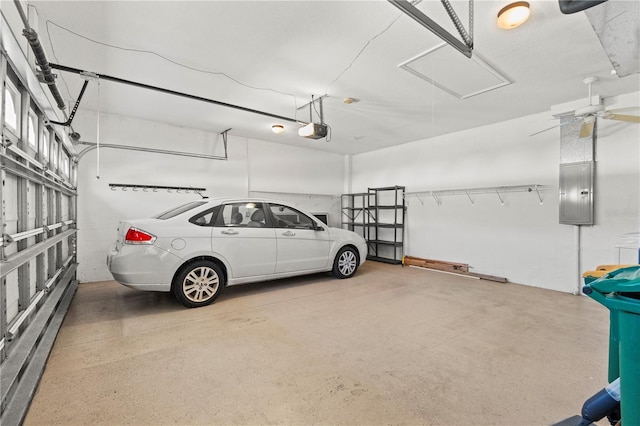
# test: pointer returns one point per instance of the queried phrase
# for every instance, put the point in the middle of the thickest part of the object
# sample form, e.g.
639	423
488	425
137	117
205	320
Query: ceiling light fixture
277	128
513	15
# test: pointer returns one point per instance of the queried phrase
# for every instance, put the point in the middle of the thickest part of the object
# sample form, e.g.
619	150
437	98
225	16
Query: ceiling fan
589	113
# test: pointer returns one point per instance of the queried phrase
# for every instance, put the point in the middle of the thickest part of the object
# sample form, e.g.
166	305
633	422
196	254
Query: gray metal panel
576	193
617	25
574	149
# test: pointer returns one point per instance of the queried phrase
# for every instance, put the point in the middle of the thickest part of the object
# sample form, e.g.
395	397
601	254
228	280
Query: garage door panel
65	250
10	207
12	295
33	277
65	208
32	206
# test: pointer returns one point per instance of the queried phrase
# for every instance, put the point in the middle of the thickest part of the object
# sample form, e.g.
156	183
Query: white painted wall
617	208
269	167
311	180
293	169
521	240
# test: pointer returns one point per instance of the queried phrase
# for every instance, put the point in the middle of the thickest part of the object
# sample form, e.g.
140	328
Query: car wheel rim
201	284
347	263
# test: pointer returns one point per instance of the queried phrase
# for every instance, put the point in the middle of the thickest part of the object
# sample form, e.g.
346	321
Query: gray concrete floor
392	345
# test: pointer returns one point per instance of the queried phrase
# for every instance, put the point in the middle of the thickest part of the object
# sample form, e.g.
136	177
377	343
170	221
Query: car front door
245	238
301	244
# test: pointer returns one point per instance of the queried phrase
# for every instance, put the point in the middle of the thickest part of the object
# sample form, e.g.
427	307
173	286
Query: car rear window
179	210
207	217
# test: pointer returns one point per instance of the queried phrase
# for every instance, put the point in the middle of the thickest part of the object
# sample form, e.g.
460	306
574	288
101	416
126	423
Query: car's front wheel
345	263
198	284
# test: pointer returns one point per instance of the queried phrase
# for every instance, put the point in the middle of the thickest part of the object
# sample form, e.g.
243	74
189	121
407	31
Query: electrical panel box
576	193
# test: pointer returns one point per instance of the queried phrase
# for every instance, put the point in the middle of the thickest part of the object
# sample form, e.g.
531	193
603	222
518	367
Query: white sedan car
197	249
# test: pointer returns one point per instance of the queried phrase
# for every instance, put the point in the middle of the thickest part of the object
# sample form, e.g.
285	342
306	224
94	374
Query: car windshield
179	210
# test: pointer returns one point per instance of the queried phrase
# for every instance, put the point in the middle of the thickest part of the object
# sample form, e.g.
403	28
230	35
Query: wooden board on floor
441	265
435	264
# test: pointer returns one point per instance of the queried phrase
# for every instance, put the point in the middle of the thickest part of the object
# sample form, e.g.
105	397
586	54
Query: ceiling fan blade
542	131
566	123
587	129
620	117
614	111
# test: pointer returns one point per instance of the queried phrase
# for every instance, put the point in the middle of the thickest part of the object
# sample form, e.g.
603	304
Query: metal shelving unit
386	225
378	216
354	212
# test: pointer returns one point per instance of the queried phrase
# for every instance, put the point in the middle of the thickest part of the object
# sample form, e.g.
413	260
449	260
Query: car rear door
301	245
248	245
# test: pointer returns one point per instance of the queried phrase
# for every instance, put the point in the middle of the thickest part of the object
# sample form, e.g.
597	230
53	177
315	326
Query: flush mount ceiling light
513	15
277	128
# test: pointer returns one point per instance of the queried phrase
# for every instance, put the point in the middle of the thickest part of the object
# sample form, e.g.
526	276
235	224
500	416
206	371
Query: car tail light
138	236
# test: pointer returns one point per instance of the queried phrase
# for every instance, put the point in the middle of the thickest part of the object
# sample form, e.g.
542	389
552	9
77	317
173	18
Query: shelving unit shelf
354	212
378	215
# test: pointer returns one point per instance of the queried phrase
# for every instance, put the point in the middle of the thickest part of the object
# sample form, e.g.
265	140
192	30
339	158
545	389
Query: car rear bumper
142	267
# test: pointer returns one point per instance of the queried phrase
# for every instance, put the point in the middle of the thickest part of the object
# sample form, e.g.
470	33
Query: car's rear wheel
198	284
346	263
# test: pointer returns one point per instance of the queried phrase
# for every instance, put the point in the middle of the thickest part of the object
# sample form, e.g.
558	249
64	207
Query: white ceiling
273	56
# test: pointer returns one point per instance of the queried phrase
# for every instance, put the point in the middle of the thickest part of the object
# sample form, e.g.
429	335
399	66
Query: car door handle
230	232
289	234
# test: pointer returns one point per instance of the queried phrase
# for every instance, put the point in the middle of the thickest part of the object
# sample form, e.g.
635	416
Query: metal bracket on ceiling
465	47
311	105
88	75
313	99
75	107
224	140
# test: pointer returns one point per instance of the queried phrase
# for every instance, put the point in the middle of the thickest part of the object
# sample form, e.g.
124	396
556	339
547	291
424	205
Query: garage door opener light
314	130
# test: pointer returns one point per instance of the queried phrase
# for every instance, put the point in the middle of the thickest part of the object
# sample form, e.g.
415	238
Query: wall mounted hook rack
154	188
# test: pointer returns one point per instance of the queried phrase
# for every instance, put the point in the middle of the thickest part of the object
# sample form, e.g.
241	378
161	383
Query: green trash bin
619	291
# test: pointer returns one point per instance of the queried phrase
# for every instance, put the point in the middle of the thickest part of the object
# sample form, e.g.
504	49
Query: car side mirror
317	227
